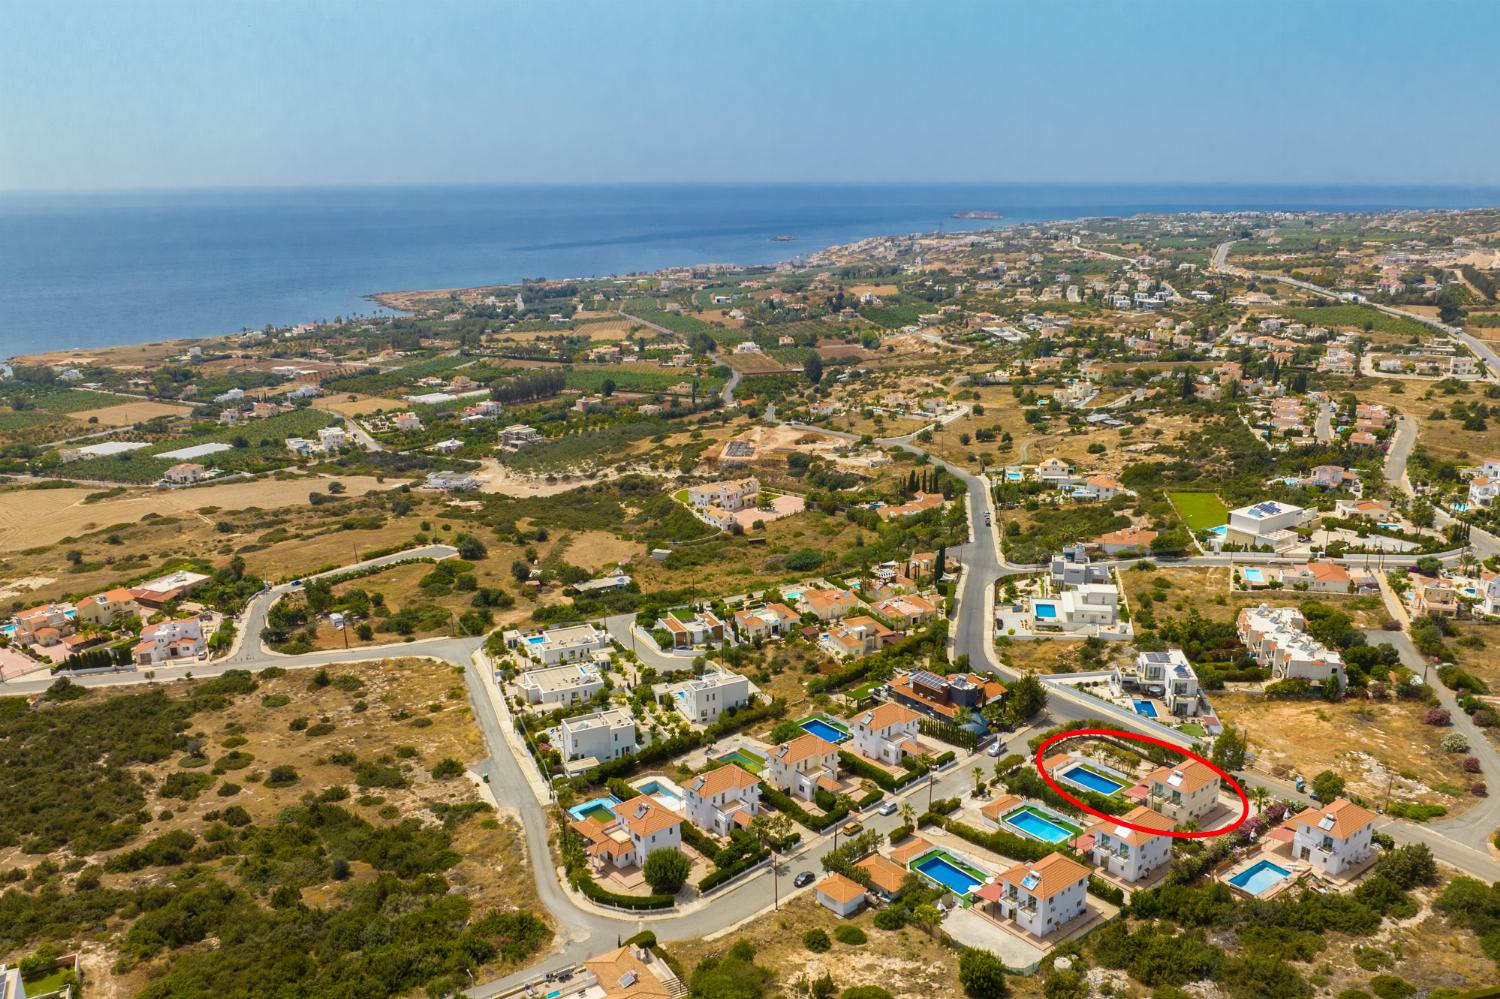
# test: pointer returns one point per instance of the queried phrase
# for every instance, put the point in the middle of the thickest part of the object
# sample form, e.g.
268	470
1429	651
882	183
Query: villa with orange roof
722	799
1335	837
886	733
770	621
827	604
907	610
633	972
180	639
1130	854
886	876
108	607
1183	793
642	826
843	895
920	503
943	697
1040	897
803	765
1125	539
857	636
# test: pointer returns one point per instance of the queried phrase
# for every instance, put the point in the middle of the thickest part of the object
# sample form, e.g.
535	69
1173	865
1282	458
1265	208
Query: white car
996	749
889	808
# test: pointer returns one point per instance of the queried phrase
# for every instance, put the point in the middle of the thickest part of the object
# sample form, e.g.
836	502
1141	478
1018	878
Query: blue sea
97	270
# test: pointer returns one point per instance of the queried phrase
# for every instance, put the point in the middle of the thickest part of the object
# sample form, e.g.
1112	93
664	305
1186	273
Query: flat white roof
111	447
196	451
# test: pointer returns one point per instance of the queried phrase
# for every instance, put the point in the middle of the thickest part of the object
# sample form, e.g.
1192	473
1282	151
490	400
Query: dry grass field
129	412
361	405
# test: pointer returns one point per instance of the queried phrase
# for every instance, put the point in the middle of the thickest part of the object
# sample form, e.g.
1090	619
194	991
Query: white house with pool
1184	792
559	645
703	699
1130	854
1040	898
1335	837
886	733
722	800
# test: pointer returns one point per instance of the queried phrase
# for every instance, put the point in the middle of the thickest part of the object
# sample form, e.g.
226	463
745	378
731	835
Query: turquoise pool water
1044	611
948	874
1093	781
1037	827
1260	878
663	793
599	808
825	730
1253	576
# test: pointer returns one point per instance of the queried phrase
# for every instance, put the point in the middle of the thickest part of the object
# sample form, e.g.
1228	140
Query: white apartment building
1277	637
1130	854
561	645
1166	674
570	683
1183	793
722	800
886	733
1335	837
603	735
803	765
1041	897
1092	605
704	698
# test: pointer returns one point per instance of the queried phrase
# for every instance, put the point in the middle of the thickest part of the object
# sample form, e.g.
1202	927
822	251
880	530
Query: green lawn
46	984
1200	511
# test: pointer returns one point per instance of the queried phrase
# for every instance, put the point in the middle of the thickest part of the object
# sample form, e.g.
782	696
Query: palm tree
908	813
978	773
773	828
1260	796
1467	563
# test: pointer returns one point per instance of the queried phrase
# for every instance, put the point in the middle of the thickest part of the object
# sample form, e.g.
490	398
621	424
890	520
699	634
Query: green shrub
816	940
848	933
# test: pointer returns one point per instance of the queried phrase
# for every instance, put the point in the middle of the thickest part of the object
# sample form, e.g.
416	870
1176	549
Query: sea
94	270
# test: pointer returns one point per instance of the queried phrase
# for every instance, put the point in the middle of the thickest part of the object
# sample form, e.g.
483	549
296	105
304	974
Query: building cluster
57	630
1277	637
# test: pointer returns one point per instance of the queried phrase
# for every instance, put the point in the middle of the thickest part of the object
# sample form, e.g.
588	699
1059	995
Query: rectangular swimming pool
1260	878
1038	826
1144	708
945	872
663	792
1044	611
599	809
824	729
1253	575
1094	782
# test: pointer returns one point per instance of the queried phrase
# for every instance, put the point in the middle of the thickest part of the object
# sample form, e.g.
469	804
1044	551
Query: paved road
1323	428
1402	443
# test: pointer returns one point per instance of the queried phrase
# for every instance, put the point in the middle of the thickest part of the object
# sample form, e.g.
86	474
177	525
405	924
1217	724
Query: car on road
996	749
889	808
851	828
803	880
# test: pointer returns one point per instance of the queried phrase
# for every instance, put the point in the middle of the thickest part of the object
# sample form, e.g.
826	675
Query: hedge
665	749
1111	893
1001	842
861	767
870	799
783	802
717	877
591	890
699	840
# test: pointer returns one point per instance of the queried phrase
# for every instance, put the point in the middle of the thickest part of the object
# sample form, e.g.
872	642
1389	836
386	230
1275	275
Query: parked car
889	808
851	828
996	748
803	880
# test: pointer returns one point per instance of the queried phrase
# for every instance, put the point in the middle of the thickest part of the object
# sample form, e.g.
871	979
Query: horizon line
582	184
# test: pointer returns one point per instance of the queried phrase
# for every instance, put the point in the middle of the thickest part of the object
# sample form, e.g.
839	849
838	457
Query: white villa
561	645
1335	837
1268	524
803	765
1091	605
722	799
704	698
603	735
1041	897
886	733
180	639
567	684
643	827
1130	854
1185	792
1166	674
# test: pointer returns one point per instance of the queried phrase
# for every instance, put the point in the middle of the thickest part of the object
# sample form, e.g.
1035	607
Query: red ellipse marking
1121	734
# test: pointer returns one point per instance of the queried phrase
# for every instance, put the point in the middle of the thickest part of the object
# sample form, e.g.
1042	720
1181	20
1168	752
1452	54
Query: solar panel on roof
1326	822
1158	657
1031	880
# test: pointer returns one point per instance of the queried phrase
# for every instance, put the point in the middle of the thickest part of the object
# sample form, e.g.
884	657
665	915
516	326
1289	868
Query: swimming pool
1045	611
1221	531
599	809
791	596
1144	708
824	729
752	762
1094	782
1260	877
942	869
536	639
1013	476
1038	826
1390	527
1253	575
665	793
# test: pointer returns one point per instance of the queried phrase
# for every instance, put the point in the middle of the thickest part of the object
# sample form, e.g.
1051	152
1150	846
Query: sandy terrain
362	405
594	550
33	517
130	412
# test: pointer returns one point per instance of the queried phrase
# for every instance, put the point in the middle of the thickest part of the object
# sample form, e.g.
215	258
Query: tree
927	917
1259	796
470	548
1327	786
1229	749
813	368
667	871
982	975
1022	700
978	773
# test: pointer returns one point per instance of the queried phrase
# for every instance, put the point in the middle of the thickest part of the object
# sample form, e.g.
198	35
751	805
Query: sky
101	95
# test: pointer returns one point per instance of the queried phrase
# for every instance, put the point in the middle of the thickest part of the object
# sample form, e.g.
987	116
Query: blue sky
161	93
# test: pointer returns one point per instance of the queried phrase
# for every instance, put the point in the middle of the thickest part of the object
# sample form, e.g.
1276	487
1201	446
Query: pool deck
1298	870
